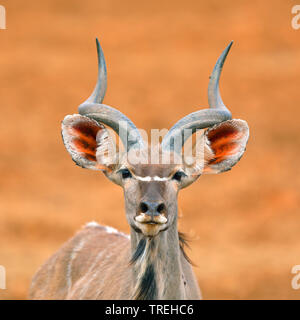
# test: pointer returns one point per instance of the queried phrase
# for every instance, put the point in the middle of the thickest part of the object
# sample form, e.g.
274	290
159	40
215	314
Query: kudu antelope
101	263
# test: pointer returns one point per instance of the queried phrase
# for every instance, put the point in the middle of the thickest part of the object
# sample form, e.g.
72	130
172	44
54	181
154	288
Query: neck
157	270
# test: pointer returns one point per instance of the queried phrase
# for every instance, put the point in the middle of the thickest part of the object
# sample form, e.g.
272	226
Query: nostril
161	208
143	207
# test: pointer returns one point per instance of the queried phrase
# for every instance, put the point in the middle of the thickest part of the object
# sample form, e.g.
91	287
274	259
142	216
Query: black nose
152	208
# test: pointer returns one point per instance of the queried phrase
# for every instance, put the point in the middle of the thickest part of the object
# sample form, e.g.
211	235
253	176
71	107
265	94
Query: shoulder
94	227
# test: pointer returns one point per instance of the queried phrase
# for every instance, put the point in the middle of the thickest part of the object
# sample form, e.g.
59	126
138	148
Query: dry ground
245	223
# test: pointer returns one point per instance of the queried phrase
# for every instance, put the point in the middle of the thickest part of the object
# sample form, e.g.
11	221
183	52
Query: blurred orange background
245	224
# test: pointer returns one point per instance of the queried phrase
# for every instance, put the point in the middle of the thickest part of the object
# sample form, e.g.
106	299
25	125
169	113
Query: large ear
88	142
225	144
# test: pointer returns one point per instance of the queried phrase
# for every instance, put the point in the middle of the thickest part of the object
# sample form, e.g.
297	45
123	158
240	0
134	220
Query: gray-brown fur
95	264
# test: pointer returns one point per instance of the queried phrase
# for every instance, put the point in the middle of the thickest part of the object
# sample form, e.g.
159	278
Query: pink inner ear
83	135
224	141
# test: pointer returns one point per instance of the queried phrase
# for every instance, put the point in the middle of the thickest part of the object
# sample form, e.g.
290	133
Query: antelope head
151	189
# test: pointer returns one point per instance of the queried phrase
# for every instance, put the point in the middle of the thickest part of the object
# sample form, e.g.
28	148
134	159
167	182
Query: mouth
151	226
146	219
151	222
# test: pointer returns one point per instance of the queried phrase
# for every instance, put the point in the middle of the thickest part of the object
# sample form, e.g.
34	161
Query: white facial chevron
148	178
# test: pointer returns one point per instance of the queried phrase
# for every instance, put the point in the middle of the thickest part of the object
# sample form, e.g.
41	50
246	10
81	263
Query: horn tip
100	54
223	56
228	47
98	45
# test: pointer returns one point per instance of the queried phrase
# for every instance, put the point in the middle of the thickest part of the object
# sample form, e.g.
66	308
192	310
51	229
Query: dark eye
178	176
125	173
